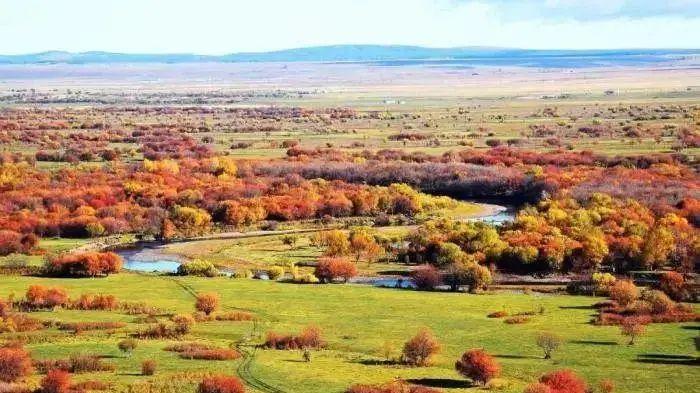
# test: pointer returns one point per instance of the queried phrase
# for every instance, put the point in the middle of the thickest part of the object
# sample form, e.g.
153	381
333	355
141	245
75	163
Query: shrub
198	267
394	387
419	350
310	337
498	314
478	277
127	345
15	364
563	381
235	316
221	384
41	297
18	322
674	285
242	273
78	327
210	354
332	269
517	320
88	264
478	365
624	292
207	302
5	308
606	386
426	277
95	302
89	385
549	342
275	272
148	367
658	301
164	330
305	279
602	281
56	381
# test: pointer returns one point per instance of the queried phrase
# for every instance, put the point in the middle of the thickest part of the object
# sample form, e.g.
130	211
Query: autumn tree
15	364
335	242
207	302
419	350
624	292
363	245
632	327
549	342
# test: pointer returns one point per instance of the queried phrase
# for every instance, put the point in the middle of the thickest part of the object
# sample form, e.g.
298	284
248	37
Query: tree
207	302
549	342
624	292
450	254
674	285
658	246
419	350
602	282
632	327
336	243
290	240
478	365
127	346
426	277
15	364
363	245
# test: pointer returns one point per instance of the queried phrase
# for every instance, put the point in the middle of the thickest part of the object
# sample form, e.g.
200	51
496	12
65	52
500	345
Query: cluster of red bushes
88	264
12	242
41	297
95	302
565	381
15	363
309	338
75	364
78	327
478	365
330	269
162	330
221	384
211	354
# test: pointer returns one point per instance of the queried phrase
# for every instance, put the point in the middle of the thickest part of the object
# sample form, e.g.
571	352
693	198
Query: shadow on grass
130	374
593	342
577	307
506	356
658	358
378	362
691	327
445	383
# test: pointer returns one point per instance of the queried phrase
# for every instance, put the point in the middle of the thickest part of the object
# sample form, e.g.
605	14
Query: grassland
357	322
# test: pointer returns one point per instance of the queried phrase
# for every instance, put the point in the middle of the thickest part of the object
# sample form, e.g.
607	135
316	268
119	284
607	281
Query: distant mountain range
361	53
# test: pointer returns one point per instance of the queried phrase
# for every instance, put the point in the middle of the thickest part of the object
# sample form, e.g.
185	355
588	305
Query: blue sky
226	26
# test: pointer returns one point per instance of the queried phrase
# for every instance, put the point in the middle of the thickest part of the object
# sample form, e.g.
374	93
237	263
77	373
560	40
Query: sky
228	26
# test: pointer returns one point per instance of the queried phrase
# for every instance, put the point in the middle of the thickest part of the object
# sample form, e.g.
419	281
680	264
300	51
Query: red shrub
606	386
426	277
332	269
310	337
39	296
56	381
207	302
478	365
13	242
563	381
211	354
418	350
187	347
15	364
96	302
221	384
517	320
498	314
88	264
148	367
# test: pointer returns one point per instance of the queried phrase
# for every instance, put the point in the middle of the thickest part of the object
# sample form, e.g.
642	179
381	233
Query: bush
309	338
165	330
88	264
148	367
275	272
89	385
624	292
674	285
198	267
78	327
517	320
221	384
498	314
606	386
41	297
96	302
563	381
127	345
210	354
332	269
19	323
15	364
478	366
426	277
659	302
235	316
207	302
419	350
549	342
242	273
394	387
56	381
632	327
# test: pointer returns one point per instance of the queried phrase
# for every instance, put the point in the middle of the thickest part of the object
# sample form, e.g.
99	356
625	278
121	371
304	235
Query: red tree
478	365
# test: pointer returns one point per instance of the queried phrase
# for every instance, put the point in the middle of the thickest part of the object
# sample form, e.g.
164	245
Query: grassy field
357	321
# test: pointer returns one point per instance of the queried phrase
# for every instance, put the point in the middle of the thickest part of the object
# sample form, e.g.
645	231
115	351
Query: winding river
152	257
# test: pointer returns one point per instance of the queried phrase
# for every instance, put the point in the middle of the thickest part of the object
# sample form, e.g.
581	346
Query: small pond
149	259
